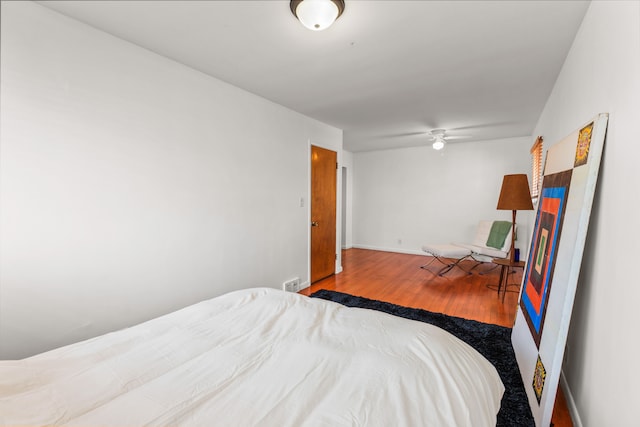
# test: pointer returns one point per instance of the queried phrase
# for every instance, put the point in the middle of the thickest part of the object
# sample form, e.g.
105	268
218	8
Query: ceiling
386	72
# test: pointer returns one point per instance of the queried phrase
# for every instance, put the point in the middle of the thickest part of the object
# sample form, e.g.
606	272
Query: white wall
347	165
602	74
131	185
407	197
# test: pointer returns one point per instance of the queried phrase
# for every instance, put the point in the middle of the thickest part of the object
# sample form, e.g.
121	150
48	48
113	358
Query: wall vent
292	285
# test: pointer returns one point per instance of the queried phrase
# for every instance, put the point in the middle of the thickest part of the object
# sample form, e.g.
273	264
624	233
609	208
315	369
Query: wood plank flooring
398	278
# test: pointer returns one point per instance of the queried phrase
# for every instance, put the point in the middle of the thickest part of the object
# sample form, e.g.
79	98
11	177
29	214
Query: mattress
257	357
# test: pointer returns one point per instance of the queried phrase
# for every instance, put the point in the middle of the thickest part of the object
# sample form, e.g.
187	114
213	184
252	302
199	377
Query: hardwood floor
398	278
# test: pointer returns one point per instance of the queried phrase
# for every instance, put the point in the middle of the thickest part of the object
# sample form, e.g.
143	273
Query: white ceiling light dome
317	15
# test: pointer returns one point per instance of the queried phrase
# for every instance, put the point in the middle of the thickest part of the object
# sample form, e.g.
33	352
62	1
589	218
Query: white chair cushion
484	250
478	248
481	251
447	250
482	235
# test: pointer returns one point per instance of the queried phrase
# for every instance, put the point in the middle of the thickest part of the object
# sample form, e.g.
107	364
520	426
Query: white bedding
257	357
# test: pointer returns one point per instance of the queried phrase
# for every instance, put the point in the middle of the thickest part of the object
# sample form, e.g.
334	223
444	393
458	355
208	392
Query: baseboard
396	250
304	285
571	403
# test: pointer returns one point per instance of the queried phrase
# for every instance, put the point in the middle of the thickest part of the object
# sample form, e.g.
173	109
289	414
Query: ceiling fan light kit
317	15
438	137
438	144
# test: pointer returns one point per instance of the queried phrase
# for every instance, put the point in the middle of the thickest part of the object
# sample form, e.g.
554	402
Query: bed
257	357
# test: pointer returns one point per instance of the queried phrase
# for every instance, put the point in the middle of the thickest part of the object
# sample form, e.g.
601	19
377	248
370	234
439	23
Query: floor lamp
515	196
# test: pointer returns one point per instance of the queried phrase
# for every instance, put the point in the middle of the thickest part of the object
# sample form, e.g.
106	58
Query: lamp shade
515	194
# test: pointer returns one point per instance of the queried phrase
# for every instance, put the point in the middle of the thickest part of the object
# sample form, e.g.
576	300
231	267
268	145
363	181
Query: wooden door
323	212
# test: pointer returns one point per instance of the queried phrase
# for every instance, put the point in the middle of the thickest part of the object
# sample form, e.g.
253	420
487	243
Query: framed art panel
542	255
553	263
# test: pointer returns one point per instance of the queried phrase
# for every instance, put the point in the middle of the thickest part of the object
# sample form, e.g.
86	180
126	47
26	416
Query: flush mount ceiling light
317	15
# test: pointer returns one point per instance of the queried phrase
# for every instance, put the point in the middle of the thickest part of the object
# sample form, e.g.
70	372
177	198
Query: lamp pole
512	254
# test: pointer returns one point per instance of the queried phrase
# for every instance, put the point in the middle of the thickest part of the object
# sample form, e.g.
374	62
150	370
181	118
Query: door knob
314	223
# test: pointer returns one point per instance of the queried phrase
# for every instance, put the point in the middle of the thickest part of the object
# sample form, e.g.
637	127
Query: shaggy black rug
492	341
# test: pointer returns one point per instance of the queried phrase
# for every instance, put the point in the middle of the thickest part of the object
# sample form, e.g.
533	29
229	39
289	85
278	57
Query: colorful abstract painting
539	375
542	256
582	148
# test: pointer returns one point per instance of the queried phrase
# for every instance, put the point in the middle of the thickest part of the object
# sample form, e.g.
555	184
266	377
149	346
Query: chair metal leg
434	258
448	266
493	267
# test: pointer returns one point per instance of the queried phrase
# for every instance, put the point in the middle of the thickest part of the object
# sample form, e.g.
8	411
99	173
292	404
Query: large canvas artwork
542	255
553	262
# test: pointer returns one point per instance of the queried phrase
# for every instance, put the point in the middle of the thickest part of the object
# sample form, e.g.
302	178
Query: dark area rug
492	341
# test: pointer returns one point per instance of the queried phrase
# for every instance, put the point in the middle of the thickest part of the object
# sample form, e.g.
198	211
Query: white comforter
257	357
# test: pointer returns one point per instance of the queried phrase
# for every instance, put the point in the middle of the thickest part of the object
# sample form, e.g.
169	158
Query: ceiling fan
439	138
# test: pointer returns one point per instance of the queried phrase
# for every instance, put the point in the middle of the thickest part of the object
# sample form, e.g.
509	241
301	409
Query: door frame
338	263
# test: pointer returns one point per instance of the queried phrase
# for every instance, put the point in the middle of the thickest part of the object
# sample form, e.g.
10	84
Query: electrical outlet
292	285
